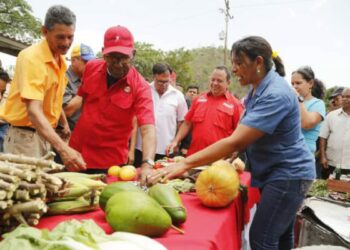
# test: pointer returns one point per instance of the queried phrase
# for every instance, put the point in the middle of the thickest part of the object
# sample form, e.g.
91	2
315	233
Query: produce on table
114	171
136	212
75	235
239	165
170	200
25	186
217	185
182	186
179	158
115	187
80	195
72	175
127	173
221	163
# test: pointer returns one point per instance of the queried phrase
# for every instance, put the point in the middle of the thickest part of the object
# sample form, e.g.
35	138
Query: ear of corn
79	205
80	195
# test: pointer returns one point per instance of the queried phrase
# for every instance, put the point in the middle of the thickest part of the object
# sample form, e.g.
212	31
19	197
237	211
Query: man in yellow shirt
34	105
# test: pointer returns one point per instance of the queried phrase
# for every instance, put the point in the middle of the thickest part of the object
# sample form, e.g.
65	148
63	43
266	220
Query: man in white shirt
170	109
335	138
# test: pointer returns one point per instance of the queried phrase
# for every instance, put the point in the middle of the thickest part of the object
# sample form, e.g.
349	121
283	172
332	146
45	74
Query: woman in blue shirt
270	133
310	92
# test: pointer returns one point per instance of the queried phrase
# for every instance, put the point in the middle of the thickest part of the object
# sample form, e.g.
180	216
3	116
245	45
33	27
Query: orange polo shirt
37	77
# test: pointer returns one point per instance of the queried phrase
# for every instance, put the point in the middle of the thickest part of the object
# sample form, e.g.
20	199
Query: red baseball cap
118	39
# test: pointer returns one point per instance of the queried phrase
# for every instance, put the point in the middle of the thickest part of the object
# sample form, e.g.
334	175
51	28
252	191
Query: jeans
3	131
273	223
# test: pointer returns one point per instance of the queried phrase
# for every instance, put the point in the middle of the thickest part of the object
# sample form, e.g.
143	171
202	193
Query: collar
342	112
48	57
227	94
169	90
125	79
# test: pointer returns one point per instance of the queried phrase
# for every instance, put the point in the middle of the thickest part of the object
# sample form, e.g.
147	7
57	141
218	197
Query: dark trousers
138	157
273	223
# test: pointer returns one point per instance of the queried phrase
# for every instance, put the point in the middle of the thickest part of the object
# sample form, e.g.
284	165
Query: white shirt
169	109
336	129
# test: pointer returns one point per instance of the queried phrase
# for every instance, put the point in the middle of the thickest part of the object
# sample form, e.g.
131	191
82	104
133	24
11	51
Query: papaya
170	200
136	212
115	187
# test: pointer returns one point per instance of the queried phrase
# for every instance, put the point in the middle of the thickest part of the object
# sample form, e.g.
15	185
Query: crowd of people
100	112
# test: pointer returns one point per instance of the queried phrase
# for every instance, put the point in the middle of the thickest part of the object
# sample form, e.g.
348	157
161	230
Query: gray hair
59	14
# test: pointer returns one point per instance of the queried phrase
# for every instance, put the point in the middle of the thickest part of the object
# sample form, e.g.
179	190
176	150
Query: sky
303	32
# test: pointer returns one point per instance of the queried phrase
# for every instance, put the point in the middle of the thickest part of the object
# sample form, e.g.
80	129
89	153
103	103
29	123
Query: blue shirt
281	153
311	135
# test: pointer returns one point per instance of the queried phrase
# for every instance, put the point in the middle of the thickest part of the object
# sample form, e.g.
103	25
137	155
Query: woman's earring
258	71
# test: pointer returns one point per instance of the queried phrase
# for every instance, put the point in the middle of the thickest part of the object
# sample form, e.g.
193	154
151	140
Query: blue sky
303	32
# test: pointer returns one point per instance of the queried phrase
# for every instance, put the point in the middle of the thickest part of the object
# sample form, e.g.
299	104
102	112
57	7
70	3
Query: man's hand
172	148
146	172
72	159
64	132
324	162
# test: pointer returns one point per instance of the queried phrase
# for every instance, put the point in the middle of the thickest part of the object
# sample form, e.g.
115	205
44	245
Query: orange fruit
127	173
114	171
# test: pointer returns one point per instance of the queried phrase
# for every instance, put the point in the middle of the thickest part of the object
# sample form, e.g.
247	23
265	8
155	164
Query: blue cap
83	51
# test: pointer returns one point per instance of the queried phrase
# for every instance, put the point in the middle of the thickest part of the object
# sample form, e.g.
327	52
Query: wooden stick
177	229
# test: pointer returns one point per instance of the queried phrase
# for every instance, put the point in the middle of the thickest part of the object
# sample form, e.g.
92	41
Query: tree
16	19
179	60
146	56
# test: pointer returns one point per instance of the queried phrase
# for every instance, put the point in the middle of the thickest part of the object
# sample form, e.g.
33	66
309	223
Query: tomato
158	165
171	160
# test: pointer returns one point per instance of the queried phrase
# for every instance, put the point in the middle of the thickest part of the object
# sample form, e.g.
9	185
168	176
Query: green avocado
170	200
115	187
136	212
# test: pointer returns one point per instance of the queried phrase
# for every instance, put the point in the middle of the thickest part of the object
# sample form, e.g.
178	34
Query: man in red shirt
113	92
213	115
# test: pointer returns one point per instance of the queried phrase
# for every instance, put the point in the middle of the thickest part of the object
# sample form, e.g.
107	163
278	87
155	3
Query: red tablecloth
205	228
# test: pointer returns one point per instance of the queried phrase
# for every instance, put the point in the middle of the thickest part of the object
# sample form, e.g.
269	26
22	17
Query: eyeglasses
345	96
162	81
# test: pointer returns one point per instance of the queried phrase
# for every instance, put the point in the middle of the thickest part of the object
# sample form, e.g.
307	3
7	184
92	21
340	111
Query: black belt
25	128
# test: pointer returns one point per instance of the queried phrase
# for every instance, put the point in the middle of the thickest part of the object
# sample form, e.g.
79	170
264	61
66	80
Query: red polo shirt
212	118
102	133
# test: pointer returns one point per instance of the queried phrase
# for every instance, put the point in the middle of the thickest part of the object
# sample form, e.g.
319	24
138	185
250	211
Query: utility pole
223	35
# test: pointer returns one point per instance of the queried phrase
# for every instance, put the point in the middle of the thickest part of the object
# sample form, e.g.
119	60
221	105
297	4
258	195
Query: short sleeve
318	107
182	108
325	127
144	105
267	113
189	115
31	78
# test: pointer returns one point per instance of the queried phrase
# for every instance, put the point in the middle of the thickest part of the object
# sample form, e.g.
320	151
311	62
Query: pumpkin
217	186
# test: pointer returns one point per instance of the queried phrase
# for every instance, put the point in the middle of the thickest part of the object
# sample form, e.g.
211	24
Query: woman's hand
171	171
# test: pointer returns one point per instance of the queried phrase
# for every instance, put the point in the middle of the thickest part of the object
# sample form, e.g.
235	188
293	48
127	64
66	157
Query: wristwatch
149	162
300	99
